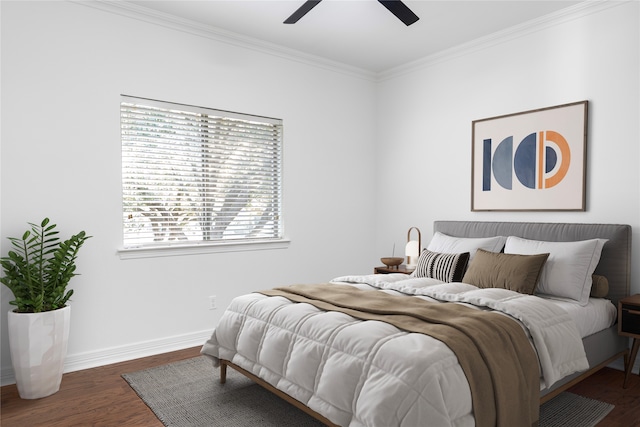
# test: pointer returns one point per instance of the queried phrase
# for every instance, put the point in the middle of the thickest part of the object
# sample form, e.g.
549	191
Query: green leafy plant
40	267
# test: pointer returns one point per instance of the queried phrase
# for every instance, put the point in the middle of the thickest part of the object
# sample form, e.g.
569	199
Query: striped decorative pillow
439	266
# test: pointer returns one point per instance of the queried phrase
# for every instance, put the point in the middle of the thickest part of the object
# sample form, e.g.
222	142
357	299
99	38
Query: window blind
192	174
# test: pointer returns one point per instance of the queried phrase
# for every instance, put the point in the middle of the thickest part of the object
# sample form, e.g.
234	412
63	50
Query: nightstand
629	326
387	270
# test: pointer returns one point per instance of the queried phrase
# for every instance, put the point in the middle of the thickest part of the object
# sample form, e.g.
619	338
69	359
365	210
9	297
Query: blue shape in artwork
524	161
552	159
502	170
486	165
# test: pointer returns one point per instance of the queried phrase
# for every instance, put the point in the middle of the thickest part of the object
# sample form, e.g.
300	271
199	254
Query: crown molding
151	16
571	13
172	22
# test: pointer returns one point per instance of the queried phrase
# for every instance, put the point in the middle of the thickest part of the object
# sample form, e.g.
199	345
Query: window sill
203	248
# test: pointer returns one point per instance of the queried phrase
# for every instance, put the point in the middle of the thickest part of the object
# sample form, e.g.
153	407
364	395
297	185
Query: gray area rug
188	393
568	409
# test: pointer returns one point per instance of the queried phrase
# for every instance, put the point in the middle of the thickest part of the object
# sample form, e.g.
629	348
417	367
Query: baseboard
77	362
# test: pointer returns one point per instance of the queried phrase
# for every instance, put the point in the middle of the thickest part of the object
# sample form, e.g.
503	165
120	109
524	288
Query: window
193	175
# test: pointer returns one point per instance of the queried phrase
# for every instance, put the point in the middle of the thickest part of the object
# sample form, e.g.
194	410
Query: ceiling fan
399	9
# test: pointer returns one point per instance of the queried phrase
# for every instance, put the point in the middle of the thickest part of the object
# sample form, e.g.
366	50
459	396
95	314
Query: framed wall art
530	161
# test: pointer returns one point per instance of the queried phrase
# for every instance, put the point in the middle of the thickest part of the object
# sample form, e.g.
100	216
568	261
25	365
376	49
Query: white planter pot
38	344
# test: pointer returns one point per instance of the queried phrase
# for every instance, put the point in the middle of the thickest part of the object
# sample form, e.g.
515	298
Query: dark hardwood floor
100	397
91	397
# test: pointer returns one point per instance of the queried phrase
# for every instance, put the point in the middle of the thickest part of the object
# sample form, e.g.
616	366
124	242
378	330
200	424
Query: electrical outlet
212	302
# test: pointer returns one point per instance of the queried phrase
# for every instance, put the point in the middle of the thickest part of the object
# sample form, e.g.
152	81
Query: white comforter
369	373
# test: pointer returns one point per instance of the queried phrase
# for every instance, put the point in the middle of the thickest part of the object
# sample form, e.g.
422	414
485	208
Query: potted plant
37	271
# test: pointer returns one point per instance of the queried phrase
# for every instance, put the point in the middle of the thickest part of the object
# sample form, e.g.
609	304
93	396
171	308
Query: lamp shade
412	249
412	252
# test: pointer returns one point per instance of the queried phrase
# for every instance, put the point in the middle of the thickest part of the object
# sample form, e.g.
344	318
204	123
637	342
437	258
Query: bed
349	365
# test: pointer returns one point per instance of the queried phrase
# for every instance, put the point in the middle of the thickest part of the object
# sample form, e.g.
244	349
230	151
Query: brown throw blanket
493	350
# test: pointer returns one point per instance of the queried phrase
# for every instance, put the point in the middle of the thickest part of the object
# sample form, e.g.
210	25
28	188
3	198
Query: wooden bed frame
602	348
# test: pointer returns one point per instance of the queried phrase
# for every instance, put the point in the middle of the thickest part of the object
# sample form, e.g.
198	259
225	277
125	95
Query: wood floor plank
606	386
100	397
96	397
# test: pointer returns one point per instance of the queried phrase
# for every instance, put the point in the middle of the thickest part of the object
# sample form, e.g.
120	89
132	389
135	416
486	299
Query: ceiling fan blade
400	10
302	10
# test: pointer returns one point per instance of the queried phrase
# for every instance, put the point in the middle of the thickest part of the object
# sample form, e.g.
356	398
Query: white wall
425	115
64	66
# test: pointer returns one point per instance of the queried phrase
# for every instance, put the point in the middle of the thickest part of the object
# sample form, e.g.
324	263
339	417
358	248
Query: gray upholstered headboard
615	261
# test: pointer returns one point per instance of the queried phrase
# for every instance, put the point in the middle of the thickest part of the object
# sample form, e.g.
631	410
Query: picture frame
531	161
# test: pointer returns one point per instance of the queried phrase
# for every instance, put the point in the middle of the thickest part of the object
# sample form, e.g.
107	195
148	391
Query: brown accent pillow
515	272
599	287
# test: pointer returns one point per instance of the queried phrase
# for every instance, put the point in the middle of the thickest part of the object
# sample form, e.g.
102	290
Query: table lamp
412	250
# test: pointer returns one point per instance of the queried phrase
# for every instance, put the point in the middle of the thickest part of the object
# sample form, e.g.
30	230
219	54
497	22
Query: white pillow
567	272
454	245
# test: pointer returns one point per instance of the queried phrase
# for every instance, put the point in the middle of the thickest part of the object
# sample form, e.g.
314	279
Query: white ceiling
359	33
